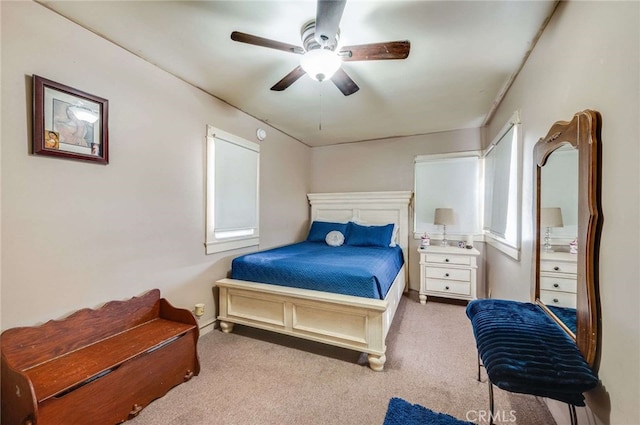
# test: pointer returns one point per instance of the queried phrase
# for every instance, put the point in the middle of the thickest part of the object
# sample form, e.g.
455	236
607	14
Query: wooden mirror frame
583	133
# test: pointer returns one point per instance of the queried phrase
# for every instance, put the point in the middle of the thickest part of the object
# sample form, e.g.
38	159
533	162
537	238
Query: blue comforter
351	270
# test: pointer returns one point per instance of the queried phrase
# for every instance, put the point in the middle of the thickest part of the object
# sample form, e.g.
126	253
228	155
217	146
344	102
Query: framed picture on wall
69	123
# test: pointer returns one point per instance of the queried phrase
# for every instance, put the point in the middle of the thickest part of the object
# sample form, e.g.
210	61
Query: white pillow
334	238
394	236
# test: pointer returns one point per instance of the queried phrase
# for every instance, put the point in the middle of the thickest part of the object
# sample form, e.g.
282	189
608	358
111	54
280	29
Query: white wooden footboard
345	321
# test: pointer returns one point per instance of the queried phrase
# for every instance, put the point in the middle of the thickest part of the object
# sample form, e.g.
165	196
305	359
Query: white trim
207	327
228	245
441	156
513	121
361	197
502	246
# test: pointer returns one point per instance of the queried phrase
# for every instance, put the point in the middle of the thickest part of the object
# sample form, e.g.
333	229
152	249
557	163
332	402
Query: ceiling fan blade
265	42
346	85
328	15
376	51
289	79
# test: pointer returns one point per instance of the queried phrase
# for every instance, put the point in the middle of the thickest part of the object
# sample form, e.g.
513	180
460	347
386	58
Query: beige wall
382	164
588	58
386	165
77	234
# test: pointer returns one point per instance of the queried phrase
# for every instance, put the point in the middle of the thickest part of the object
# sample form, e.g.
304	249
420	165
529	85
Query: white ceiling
463	53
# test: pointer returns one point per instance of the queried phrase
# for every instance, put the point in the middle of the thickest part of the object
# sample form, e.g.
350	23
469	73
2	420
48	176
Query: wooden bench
98	366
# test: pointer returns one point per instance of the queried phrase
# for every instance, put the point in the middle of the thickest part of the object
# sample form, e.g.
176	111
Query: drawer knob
555	285
446	260
556	268
446	287
555	300
135	411
446	275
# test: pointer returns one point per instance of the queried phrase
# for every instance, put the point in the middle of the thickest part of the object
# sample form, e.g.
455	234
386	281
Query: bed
351	319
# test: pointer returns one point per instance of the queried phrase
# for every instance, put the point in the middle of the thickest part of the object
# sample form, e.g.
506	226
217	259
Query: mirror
568	227
558	232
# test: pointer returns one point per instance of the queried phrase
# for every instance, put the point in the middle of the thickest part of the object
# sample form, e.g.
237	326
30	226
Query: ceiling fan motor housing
309	42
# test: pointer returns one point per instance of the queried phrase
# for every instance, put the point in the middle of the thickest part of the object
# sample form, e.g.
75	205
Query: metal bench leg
572	414
479	367
490	402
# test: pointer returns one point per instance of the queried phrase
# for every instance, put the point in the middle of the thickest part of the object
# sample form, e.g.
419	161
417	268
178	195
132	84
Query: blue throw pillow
370	235
319	229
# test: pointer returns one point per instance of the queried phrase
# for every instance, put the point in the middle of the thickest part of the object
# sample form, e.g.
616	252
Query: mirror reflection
559	189
558	234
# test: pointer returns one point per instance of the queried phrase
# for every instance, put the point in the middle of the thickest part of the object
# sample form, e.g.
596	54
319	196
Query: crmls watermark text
485	416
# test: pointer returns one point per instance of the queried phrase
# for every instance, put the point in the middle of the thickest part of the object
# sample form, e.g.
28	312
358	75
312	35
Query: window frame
435	231
214	243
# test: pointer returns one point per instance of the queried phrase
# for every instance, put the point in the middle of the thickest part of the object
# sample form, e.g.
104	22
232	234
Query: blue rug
401	412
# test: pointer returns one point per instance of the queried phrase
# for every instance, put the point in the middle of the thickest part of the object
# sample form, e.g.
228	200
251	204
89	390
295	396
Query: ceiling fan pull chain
320	123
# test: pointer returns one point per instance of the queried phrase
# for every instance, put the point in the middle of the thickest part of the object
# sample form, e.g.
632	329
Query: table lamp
444	216
550	217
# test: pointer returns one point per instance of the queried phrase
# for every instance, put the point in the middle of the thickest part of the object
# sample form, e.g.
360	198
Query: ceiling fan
321	56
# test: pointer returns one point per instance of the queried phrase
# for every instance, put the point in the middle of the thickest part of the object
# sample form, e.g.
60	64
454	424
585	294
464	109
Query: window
501	194
447	181
233	166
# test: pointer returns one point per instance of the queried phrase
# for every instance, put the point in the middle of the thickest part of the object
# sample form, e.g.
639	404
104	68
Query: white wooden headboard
368	208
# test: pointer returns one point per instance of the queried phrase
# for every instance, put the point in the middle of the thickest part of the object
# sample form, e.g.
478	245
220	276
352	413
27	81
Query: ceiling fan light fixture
320	64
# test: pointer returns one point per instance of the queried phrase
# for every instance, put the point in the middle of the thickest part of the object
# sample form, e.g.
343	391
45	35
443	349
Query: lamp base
444	242
547	240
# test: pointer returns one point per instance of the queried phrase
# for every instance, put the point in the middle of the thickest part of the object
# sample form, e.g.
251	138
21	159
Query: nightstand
448	272
558	278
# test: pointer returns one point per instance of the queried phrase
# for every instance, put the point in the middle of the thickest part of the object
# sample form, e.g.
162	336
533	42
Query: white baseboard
207	327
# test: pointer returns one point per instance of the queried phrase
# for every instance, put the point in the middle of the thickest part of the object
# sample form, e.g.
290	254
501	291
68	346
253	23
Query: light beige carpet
256	377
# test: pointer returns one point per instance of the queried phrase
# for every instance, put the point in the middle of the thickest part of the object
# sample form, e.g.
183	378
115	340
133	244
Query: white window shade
233	169
447	182
502	203
497	182
236	186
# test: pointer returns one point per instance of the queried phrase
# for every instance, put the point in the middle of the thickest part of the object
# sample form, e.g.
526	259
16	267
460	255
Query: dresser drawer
558	267
558	299
448	259
438	285
448	274
553	283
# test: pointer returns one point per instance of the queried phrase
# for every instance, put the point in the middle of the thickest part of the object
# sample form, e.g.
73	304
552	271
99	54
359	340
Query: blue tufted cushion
567	315
525	351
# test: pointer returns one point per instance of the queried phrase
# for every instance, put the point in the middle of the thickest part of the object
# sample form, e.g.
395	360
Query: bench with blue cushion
525	351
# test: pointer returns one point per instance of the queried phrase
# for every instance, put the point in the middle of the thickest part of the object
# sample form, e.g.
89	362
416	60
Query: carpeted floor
256	377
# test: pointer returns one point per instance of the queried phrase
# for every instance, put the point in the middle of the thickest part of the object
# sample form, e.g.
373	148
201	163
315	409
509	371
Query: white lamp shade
444	216
551	217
